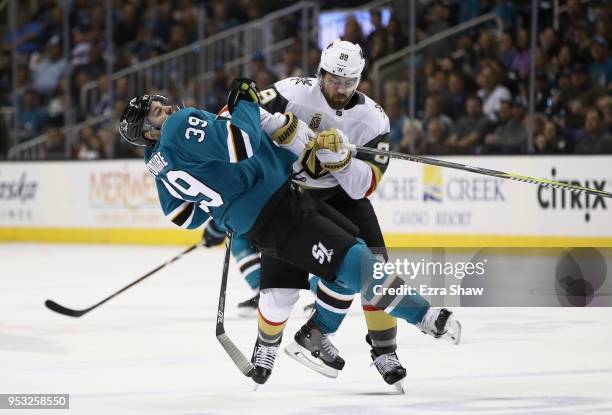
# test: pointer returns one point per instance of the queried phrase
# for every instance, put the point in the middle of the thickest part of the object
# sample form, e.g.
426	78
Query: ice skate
314	350
263	360
248	308
308	309
388	366
440	323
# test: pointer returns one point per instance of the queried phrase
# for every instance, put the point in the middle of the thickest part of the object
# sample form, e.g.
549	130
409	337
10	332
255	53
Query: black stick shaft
52	305
479	170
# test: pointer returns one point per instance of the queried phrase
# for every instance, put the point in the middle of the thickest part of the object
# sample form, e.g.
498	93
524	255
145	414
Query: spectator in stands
90	146
510	136
563	60
457	94
55	145
27	36
127	24
579	96
437	20
352	31
470	129
487	45
434	113
491	92
395	39
522	60
412	136
435	139
600	70
550	141
289	65
604	105
396	115
32	118
506	51
593	138
81	49
548	42
378	29
47	73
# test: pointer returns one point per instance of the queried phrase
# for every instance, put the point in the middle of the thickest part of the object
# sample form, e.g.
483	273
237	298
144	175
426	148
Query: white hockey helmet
342	58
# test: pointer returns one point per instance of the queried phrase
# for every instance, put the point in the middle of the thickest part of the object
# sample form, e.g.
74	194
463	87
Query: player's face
158	113
338	89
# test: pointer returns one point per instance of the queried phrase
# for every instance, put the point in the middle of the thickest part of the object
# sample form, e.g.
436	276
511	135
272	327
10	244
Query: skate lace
265	355
386	362
328	346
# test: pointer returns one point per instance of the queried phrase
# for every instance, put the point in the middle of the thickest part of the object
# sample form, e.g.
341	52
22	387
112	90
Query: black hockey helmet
133	123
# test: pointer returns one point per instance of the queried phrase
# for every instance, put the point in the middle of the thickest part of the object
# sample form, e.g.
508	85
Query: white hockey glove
294	135
331	153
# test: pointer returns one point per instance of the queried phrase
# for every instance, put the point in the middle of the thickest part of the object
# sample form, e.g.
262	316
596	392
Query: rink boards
417	205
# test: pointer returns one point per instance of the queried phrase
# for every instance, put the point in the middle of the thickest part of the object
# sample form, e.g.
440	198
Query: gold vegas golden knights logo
315	122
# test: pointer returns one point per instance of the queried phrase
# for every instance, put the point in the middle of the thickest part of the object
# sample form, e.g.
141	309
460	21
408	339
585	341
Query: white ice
152	349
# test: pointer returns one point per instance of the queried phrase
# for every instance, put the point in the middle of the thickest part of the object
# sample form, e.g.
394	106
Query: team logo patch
320	253
315	122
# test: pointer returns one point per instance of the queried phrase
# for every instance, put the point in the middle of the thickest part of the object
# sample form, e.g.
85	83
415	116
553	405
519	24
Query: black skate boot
440	323
314	350
263	360
248	308
388	366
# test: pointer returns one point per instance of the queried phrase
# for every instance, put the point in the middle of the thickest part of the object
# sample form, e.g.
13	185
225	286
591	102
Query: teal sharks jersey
209	166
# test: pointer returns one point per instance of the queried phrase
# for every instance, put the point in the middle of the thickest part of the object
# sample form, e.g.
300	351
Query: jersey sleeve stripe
238	144
182	214
376	177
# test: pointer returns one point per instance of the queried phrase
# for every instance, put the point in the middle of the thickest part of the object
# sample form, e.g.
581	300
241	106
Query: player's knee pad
275	304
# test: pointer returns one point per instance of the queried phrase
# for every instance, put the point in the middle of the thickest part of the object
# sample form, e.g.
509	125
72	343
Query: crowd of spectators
471	94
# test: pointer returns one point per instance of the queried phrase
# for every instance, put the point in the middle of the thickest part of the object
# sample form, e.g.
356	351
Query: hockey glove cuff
294	135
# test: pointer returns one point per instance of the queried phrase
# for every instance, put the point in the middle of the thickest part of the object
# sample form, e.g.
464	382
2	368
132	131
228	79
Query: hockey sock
356	272
332	303
275	305
314	283
248	260
382	328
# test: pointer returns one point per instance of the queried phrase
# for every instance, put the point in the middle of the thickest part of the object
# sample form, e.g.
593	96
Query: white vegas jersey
362	120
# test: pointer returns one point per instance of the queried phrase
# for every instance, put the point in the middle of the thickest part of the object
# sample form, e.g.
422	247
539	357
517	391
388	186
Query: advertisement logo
558	199
122	189
19	191
432	183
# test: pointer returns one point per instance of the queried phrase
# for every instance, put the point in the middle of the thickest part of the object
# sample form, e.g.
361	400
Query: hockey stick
58	308
244	364
479	170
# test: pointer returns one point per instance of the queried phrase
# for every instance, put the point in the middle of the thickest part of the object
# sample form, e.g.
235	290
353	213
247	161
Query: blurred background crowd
472	88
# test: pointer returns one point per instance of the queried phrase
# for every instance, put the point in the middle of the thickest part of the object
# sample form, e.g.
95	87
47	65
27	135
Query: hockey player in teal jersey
237	173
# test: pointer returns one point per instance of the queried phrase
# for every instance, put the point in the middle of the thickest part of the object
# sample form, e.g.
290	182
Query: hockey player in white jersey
340	181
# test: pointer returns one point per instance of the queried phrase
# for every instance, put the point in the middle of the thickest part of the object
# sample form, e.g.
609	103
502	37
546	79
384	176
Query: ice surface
152	349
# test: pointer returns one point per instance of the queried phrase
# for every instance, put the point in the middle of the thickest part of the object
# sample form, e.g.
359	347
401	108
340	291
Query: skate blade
399	386
453	333
247	312
303	356
256	386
